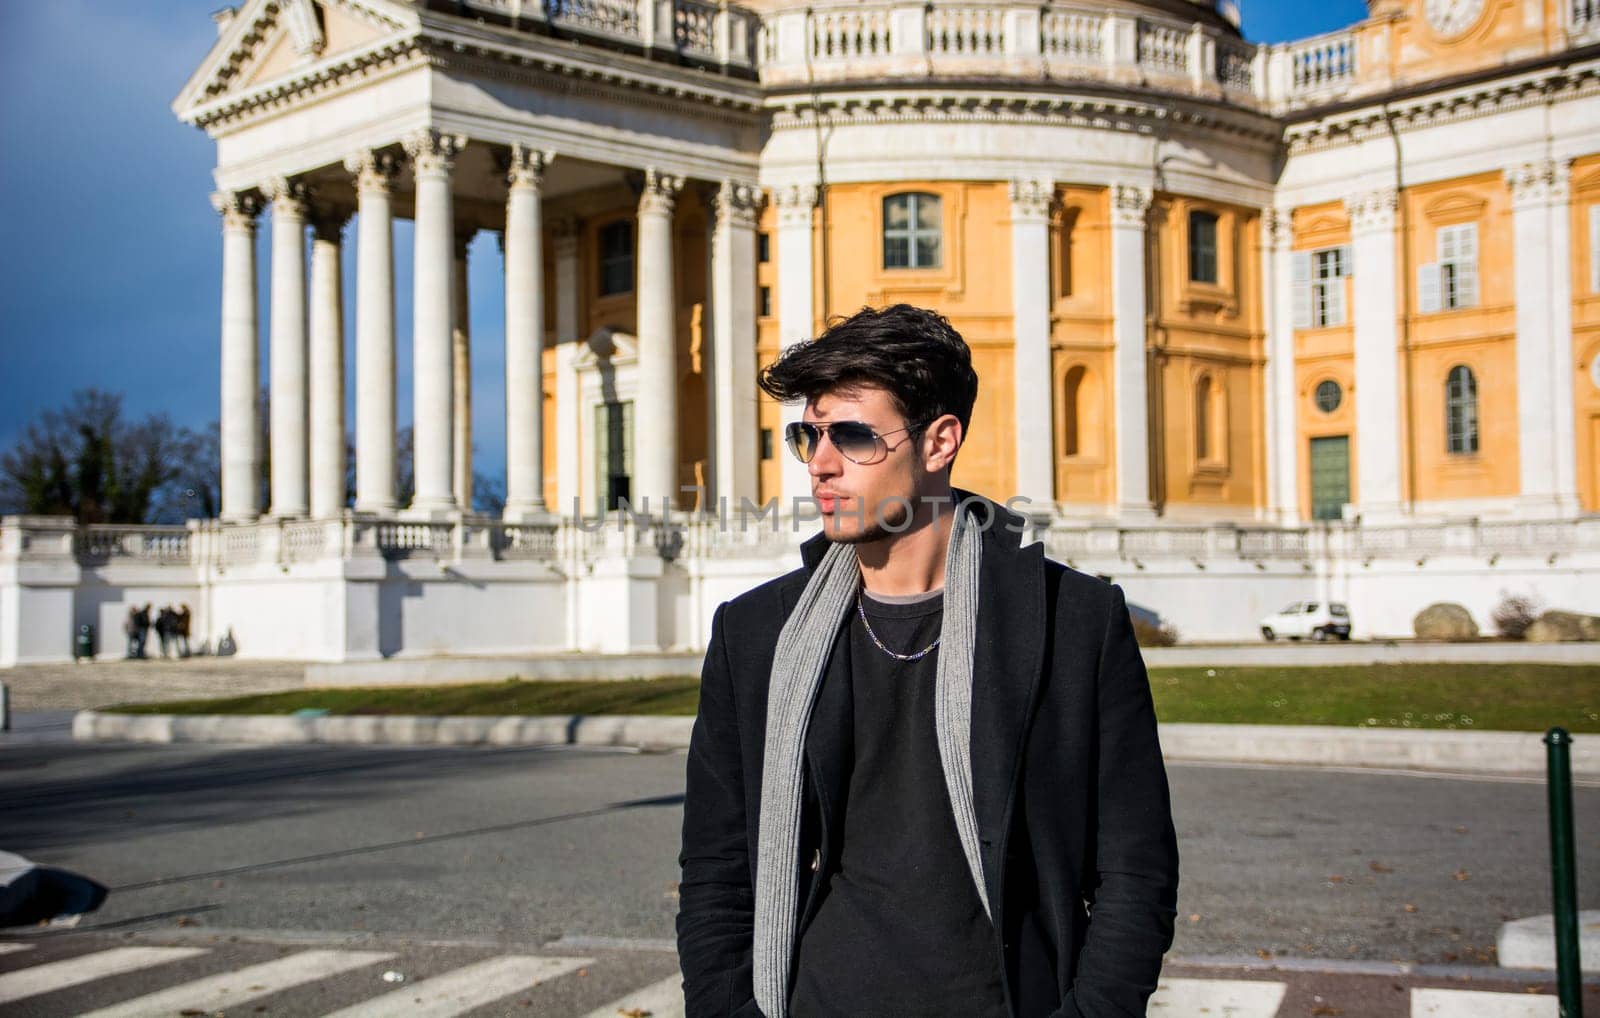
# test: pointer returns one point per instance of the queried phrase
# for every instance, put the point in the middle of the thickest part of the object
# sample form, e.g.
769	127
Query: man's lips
827	500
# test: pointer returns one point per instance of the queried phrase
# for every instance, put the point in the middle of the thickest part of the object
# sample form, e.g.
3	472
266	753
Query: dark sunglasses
856	442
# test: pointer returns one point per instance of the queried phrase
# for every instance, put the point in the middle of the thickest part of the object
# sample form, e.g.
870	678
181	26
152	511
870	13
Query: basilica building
1253	323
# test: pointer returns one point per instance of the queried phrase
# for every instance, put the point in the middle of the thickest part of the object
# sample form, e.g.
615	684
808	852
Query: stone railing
718	35
1311	71
1583	18
101	543
689	537
898	39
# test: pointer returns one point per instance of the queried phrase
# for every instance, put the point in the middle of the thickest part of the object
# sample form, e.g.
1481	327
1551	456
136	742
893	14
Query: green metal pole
1564	873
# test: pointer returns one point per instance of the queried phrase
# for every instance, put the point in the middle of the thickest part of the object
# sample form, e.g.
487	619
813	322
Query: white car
1314	619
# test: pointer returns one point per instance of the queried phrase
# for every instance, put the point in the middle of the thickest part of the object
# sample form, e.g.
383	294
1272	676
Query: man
925	778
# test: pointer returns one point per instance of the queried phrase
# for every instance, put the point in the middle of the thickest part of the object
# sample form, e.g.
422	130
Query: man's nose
826	461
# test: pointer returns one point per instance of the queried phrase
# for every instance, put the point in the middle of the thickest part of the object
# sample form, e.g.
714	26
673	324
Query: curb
1313	745
549	730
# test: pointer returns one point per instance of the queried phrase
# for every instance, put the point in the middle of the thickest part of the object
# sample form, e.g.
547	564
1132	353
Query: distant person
164	629
226	647
141	628
181	619
130	629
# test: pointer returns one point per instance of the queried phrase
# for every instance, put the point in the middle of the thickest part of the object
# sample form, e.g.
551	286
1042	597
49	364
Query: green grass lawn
1463	697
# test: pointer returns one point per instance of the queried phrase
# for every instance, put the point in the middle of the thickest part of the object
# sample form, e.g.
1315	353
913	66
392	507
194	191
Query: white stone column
433	157
655	421
375	342
1377	389
524	243
288	353
241	452
796	314
461	374
327	365
1130	210
1546	414
1031	367
1283	424
733	271
569	463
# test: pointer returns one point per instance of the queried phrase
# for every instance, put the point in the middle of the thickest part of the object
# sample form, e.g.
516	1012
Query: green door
1330	476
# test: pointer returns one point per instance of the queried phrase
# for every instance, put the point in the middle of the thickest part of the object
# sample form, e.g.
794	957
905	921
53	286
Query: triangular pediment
266	41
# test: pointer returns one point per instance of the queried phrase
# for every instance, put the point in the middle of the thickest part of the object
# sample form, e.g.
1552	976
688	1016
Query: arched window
912	231
1461	410
1072	411
1203	439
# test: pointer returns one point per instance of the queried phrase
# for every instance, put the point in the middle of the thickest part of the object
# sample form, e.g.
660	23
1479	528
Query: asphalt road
530	845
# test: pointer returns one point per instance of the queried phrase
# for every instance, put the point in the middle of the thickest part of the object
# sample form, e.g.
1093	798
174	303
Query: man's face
865	501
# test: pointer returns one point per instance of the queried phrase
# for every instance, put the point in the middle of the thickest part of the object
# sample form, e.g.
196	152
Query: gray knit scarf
802	654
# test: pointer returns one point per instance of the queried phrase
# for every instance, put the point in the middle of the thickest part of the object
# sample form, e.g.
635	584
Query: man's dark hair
910	352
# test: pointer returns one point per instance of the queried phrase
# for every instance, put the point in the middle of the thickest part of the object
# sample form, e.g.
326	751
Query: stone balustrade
717	35
689	537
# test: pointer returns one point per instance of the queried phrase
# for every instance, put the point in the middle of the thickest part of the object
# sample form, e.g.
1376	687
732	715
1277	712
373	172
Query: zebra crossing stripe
658	1000
58	975
250	983
464	989
1226	998
1481	1004
9	948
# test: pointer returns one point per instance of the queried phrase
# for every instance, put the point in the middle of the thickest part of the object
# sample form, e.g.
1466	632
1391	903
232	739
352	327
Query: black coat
1079	853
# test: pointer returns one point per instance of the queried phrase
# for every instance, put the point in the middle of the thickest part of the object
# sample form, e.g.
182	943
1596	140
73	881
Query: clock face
1452	17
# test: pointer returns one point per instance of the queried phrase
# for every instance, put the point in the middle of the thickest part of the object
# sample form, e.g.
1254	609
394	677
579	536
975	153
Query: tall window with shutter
1452	281
1319	292
1461	411
1594	248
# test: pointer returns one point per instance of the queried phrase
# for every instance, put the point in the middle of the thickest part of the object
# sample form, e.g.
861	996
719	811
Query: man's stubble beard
893	523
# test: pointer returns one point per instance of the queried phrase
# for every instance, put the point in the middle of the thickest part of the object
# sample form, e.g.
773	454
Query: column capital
432	152
658	192
1538	182
1372	211
1277	228
238	209
1130	205
288	197
564	237
1031	198
525	166
794	203
737	202
328	222
374	171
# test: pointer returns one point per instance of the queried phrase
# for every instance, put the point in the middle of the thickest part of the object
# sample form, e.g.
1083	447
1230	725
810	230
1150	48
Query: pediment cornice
218	83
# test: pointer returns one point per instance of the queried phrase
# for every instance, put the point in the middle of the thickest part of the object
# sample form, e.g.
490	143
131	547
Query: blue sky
110	266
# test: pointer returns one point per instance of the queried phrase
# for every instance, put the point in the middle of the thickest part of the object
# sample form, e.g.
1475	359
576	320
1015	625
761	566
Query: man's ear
940	442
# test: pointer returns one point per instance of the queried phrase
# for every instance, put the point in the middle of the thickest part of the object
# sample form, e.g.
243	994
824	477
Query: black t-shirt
899	929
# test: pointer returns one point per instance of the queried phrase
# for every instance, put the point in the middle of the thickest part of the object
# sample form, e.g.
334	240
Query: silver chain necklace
918	656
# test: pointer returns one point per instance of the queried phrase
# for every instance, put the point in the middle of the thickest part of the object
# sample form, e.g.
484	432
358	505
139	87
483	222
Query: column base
1370	514
1136	512
531	511
239	517
438	511
1548	507
389	508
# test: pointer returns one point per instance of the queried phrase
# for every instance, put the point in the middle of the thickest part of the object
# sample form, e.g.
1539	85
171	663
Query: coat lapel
1006	665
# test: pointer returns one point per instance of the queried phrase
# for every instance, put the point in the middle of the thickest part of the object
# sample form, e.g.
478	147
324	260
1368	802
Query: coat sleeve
716	896
1135	885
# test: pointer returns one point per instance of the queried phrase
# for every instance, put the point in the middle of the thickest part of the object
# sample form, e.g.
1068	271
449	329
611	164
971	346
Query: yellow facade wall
1325	353
1207	366
1082	339
769	413
1585	187
1398	45
971	286
1482	337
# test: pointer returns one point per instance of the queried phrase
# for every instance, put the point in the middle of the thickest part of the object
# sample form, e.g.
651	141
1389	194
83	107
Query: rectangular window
912	228
1319	290
763	247
1458	266
613	453
1202	247
1594	248
616	258
766	302
1330	476
766	443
